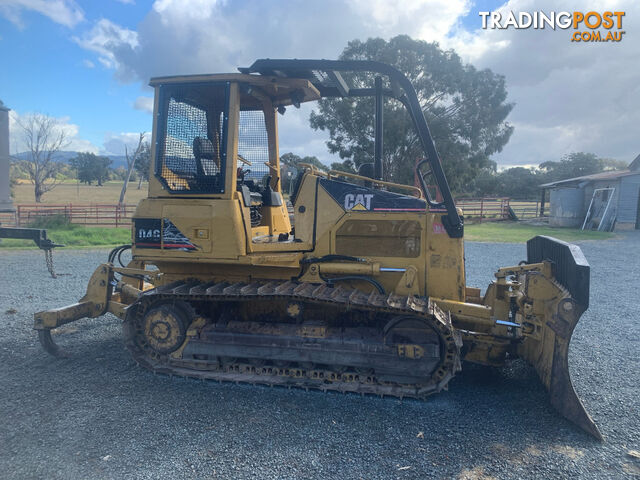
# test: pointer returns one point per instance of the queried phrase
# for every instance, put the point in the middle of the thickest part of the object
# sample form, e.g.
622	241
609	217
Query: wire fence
119	215
94	214
483	209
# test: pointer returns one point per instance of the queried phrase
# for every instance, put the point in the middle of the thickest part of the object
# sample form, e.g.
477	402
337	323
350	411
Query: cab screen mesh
253	146
191	148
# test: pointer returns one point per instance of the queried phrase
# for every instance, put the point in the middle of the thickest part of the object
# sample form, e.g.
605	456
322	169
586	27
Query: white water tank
5	192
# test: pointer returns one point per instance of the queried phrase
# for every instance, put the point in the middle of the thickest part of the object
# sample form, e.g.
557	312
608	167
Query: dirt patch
476	473
567	451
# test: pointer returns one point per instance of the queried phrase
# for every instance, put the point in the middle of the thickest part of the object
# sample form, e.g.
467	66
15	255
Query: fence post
481	209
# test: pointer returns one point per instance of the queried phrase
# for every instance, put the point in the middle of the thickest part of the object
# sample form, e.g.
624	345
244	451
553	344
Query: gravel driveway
97	415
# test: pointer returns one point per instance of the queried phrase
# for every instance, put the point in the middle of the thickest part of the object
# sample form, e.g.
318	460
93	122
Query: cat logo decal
357	201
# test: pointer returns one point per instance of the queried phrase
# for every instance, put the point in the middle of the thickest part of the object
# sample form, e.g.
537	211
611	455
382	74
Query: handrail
452	222
340	173
313	169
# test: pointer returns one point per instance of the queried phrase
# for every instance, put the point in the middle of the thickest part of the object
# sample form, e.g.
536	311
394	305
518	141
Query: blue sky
88	63
52	74
49	75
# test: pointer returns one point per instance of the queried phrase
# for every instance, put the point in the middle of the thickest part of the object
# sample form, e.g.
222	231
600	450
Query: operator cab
216	136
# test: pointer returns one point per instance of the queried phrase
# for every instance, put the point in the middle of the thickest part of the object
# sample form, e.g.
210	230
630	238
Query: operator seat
207	157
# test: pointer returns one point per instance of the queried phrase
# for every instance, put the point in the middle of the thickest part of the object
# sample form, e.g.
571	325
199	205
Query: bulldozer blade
549	353
49	345
549	357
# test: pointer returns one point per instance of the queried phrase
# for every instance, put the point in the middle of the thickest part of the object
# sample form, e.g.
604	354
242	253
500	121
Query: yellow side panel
393	240
445	262
379	236
194	222
304	211
328	214
215	227
276	219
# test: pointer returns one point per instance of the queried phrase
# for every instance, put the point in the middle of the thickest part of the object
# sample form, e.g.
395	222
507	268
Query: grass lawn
72	192
513	232
78	236
507	232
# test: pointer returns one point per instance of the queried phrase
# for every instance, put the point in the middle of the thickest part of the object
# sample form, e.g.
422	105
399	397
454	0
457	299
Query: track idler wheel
162	328
432	347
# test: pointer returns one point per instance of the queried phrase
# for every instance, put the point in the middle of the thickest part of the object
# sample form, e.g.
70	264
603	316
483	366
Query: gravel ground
97	415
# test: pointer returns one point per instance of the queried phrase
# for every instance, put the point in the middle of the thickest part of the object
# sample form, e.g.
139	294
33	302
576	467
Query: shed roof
611	175
633	169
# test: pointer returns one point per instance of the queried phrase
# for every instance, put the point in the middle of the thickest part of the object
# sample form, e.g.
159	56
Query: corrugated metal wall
628	199
566	207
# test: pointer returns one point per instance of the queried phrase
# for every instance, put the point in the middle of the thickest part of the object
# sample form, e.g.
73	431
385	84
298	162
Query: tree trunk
37	191
131	162
126	182
140	182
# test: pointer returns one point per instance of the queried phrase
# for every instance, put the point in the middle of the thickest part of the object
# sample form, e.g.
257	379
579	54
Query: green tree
578	164
290	164
119	173
91	167
344	166
465	109
572	165
485	184
520	183
292	160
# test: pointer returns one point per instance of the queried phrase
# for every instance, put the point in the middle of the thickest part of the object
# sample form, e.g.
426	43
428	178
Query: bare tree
142	164
131	162
43	139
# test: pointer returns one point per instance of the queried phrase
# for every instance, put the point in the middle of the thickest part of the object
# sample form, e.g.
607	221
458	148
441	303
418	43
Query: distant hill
66	156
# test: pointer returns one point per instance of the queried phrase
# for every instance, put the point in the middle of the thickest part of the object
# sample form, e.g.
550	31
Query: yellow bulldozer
360	289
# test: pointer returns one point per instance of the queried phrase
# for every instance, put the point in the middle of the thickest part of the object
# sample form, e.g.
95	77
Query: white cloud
126	2
115	143
218	36
71	131
115	45
64	12
568	96
144	103
197	9
88	63
297	137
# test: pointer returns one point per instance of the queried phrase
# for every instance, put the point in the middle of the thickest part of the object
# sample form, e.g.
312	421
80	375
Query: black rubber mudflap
570	267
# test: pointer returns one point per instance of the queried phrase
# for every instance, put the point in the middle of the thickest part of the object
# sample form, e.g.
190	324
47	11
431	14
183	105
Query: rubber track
338	296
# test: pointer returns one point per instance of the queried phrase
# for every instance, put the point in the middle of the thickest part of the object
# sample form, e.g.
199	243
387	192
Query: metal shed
571	201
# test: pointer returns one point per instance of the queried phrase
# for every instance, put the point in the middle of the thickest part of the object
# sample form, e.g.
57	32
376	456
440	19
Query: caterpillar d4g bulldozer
364	293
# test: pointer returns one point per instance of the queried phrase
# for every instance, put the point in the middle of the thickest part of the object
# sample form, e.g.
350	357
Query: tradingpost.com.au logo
588	27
